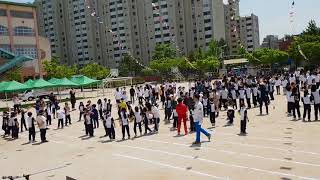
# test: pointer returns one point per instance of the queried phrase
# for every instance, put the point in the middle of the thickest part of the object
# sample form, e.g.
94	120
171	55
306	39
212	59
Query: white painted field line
221	163
268	147
268	139
169	166
242	154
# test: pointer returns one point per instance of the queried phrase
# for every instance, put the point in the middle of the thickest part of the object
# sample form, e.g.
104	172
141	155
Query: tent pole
7	100
98	89
103	88
83	92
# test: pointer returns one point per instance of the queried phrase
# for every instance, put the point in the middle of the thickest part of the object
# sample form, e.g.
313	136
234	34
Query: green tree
214	49
162	51
95	71
14	74
56	70
312	29
208	64
129	67
268	57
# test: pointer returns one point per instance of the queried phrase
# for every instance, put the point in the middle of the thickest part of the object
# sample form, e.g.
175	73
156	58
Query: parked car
30	95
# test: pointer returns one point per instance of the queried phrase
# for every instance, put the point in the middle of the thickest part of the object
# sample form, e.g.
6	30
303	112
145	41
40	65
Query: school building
19	37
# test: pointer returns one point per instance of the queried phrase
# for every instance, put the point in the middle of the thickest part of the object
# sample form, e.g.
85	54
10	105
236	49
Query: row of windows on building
26	50
18	31
17	14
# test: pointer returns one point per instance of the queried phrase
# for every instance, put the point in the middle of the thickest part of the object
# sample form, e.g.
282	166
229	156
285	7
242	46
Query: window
3	31
21	14
27	50
5	47
3	12
23	31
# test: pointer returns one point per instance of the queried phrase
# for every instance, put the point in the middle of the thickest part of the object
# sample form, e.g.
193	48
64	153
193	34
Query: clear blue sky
274	14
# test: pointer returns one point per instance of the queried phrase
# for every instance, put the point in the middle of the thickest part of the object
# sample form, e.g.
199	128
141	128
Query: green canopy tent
65	82
12	86
84	81
29	82
53	80
41	83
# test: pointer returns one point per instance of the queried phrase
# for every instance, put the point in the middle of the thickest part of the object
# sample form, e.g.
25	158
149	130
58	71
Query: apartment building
249	32
83	31
240	31
271	42
19	35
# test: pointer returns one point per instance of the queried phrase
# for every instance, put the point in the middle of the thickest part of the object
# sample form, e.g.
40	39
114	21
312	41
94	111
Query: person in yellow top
122	105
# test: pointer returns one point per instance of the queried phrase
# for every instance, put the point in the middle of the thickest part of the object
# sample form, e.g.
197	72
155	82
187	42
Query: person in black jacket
263	97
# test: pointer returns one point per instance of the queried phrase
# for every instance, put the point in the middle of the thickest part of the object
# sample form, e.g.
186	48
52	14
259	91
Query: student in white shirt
212	111
205	105
124	123
255	95
109	125
284	85
146	94
315	93
198	119
243	118
242	95
137	121
290	99
156	117
233	95
224	98
49	114
41	121
61	117
278	84
32	131
118	95
306	99
248	95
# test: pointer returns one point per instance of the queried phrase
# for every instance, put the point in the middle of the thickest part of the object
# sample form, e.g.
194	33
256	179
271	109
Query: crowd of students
180	105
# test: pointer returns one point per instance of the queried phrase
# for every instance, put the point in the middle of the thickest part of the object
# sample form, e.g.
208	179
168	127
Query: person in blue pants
198	119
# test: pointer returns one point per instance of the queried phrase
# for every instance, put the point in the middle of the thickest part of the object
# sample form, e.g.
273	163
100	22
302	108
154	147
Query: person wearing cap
182	110
198	119
42	124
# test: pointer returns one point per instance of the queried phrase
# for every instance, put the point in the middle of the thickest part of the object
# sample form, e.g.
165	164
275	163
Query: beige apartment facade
86	31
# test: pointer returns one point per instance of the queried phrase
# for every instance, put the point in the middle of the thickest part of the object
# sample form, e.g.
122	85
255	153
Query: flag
302	54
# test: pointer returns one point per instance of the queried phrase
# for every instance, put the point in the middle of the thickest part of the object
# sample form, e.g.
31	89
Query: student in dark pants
109	125
212	113
263	98
296	106
146	120
124	123
243	119
15	129
315	93
306	99
31	127
95	116
48	114
88	123
230	115
137	120
60	116
67	111
23	120
192	125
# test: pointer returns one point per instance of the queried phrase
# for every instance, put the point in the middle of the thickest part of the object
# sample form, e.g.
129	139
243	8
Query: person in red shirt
182	110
